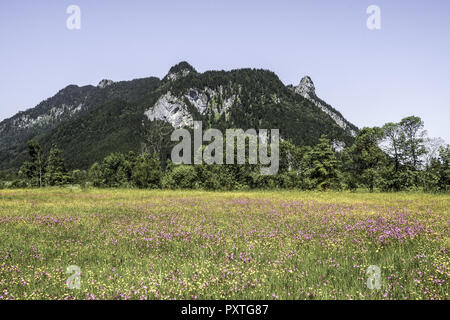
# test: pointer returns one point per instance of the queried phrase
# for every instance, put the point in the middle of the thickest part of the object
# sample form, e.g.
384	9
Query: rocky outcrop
170	109
307	90
105	83
177	75
53	115
175	110
179	70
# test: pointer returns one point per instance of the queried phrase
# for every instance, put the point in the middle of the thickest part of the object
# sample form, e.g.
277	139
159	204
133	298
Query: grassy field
133	244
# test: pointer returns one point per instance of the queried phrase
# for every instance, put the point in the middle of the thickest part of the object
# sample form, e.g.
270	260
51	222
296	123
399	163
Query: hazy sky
371	77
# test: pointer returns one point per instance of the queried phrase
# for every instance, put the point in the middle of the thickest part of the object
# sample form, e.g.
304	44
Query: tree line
395	157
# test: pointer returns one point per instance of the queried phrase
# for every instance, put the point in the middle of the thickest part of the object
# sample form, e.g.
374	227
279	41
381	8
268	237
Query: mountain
307	90
71	106
89	122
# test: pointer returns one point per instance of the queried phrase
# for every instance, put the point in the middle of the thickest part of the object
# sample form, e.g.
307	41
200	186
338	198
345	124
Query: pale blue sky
372	77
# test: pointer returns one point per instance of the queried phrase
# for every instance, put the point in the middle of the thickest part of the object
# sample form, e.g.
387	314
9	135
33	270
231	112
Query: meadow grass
134	244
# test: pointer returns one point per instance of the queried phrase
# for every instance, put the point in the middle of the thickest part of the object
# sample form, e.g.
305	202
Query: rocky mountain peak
180	70
104	83
307	90
306	87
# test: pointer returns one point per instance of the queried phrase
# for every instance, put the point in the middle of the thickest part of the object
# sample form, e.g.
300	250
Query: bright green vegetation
132	244
406	162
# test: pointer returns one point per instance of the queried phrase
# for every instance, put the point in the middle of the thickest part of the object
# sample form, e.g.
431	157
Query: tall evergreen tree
33	170
55	170
322	170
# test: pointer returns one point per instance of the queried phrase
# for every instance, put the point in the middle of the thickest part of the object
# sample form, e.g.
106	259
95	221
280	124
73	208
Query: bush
218	177
180	177
79	177
147	172
95	175
17	184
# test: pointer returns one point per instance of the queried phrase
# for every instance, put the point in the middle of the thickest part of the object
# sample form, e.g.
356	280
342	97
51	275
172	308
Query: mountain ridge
90	121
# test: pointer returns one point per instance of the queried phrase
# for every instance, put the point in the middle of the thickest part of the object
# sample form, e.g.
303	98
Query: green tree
321	166
290	157
180	177
79	177
96	175
116	170
366	157
405	145
33	170
393	141
412	142
147	171
444	172
438	173
55	170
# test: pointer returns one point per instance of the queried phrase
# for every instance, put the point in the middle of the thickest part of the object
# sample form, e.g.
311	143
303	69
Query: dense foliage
391	158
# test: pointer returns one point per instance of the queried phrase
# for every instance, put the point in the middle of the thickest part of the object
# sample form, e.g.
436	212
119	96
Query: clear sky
370	76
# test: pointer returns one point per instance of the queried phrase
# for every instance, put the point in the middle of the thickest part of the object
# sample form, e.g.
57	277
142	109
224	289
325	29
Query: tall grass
132	244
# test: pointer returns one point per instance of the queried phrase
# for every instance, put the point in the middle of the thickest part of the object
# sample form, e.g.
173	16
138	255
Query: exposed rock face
104	83
170	109
177	75
174	109
337	145
307	90
53	115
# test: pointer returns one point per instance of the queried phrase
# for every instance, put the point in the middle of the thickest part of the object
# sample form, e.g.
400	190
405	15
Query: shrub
180	177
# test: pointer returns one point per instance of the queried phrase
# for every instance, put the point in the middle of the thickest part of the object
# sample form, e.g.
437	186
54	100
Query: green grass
132	244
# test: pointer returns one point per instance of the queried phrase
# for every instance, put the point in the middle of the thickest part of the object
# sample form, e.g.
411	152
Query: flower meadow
131	244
